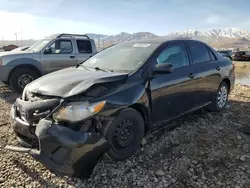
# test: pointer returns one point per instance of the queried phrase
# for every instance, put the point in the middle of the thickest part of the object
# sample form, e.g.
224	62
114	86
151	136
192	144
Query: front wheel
21	77
220	100
125	134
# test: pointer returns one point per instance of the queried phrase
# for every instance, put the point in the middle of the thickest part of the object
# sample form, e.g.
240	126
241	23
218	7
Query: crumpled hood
71	81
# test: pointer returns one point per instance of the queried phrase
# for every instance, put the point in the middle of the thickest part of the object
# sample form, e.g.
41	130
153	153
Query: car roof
159	41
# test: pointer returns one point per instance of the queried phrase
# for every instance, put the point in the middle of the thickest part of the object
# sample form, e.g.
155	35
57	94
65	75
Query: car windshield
38	45
122	57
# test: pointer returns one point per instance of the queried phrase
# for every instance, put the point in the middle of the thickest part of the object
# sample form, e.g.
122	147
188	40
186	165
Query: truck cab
53	53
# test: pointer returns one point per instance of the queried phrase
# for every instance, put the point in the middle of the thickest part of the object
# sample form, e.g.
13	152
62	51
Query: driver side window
175	54
61	47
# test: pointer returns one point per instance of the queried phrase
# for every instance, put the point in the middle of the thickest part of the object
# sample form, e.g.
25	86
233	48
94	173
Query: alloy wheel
24	80
222	97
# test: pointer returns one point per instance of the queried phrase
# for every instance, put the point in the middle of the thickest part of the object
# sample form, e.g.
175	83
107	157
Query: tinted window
212	56
174	54
84	46
61	47
199	52
240	53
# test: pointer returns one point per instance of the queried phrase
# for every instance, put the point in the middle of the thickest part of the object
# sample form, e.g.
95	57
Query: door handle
217	68
72	56
191	75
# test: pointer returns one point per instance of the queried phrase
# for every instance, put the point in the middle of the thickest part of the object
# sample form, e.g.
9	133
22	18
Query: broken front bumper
61	149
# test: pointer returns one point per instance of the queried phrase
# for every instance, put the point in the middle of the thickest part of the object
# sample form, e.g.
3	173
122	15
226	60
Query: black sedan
69	118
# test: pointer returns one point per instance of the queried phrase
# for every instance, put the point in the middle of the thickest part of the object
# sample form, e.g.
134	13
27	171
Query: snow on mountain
206	36
212	34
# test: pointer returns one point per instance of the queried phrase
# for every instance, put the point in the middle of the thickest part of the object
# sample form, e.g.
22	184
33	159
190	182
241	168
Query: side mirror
48	50
163	68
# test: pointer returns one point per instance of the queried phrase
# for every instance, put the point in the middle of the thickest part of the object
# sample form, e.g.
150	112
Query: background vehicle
107	103
241	56
22	48
53	53
226	53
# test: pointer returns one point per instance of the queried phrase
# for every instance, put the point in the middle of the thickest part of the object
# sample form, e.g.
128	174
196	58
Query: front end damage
71	149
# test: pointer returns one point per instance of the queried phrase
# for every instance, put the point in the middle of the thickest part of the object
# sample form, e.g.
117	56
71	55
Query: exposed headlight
74	112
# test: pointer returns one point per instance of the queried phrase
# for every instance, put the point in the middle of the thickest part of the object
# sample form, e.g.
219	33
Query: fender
26	62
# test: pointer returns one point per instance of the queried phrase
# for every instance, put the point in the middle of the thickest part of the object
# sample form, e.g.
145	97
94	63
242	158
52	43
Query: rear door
172	94
62	55
206	71
84	49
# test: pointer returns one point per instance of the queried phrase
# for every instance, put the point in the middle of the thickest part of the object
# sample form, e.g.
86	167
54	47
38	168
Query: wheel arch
145	113
32	67
227	81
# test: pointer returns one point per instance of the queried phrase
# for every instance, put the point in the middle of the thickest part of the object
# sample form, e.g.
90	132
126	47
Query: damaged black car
68	119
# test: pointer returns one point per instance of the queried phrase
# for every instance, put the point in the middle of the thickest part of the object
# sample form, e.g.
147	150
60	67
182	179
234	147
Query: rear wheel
21	77
125	134
220	100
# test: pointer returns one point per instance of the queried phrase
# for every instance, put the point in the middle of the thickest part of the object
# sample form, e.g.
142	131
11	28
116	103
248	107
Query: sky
35	19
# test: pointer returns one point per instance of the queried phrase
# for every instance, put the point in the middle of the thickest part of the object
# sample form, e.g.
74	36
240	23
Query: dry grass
242	69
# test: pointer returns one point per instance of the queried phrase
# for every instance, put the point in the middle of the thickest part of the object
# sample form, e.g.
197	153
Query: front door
173	94
61	56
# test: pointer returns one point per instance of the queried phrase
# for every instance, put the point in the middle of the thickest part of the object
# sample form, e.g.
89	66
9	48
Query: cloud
28	26
214	19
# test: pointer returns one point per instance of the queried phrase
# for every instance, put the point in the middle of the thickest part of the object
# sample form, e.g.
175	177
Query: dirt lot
199	150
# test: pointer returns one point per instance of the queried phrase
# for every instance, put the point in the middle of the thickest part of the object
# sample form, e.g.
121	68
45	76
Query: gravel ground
199	150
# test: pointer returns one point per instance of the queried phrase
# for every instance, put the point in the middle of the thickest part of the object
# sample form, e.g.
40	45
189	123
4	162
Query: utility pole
21	37
99	43
16	39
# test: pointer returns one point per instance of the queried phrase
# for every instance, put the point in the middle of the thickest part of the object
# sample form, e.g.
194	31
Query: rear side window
199	52
212	56
84	46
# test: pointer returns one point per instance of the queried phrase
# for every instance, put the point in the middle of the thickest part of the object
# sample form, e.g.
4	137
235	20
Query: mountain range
230	37
213	34
227	36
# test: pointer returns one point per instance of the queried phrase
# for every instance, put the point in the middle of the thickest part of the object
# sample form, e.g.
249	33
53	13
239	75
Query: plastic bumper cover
61	149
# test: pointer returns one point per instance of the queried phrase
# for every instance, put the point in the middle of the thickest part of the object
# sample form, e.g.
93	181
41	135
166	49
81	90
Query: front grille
35	108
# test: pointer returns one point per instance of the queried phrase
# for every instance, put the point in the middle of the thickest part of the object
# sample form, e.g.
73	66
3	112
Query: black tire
131	120
216	106
22	74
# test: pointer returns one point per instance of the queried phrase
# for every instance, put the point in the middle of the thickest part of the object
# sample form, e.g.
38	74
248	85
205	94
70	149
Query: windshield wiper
99	69
82	62
96	68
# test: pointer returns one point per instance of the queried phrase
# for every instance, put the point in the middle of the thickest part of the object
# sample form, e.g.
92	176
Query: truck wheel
125	134
21	77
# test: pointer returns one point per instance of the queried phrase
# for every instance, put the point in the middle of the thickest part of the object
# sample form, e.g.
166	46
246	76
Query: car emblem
24	114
